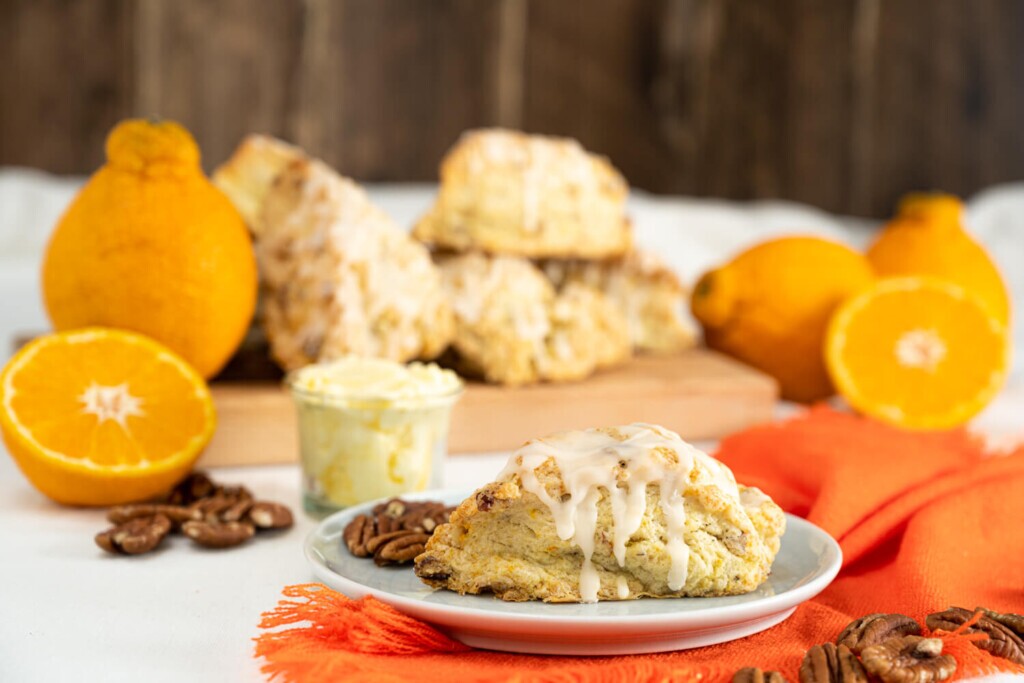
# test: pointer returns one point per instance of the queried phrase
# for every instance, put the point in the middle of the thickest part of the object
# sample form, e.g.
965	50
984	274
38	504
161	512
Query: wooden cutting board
699	393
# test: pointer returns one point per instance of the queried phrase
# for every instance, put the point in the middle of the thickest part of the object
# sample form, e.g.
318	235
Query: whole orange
927	237
150	245
770	307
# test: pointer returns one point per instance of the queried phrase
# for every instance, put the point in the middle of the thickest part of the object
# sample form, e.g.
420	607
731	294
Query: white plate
808	561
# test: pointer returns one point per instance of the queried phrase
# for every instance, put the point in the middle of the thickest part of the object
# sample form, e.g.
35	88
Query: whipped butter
620	462
371	428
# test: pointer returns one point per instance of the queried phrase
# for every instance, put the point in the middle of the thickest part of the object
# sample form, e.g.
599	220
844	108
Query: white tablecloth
68	612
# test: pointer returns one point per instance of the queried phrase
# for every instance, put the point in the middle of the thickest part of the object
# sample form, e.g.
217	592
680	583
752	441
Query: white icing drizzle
621	587
546	165
620	462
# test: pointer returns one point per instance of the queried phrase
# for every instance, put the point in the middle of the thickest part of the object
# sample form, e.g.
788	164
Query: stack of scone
536	256
529	276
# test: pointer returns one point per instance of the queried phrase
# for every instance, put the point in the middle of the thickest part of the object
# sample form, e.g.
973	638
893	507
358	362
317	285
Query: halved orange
917	352
99	417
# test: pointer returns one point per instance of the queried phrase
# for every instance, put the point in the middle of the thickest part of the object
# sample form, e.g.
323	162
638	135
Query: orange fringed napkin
925	521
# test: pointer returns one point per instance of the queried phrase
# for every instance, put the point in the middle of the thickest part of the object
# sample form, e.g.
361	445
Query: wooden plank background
844	104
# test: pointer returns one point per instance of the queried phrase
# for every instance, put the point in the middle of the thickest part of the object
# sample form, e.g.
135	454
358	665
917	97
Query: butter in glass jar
371	428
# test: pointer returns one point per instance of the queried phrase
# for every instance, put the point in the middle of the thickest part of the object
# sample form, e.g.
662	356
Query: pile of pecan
396	531
890	648
212	515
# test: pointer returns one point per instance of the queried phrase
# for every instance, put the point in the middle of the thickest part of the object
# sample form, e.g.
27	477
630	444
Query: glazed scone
506	192
339	276
607	514
513	328
250	172
644	288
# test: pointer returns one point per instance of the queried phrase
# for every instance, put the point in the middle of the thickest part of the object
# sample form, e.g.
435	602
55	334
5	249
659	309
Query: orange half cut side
917	352
98	416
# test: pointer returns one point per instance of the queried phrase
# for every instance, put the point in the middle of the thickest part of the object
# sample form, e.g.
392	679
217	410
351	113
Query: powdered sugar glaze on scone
644	288
512	327
505	192
607	514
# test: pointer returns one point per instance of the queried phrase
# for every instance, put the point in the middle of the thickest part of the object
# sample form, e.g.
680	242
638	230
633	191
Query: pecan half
827	663
267	515
426	517
403	548
752	674
178	514
135	536
225	504
1001	641
380	539
190	489
385	524
218	535
357	534
910	659
876	628
234	492
237	511
432	570
1014	622
395	508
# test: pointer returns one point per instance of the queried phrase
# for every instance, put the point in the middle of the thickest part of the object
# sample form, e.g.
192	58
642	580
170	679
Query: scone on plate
339	276
506	192
512	327
644	288
607	514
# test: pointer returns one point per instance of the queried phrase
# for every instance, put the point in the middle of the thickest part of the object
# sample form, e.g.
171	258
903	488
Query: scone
338	276
513	328
506	192
250	172
644	288
607	514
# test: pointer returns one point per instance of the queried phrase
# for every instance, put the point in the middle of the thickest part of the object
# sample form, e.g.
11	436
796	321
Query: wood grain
699	394
943	113
845	104
220	68
66	76
386	86
589	69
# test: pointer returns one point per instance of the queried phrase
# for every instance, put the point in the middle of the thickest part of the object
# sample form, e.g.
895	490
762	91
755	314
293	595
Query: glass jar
370	428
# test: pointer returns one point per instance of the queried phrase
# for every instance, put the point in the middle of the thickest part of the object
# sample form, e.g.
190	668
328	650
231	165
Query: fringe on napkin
329	630
972	661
